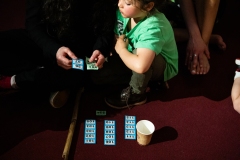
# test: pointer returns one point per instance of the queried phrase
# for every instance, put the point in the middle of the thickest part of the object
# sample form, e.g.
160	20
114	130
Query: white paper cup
145	129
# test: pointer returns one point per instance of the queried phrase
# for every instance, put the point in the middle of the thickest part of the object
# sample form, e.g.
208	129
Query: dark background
194	119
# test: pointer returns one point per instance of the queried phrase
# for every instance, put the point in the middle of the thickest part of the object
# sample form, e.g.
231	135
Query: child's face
131	9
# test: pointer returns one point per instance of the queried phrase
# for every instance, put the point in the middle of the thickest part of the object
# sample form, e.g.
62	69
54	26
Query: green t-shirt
155	33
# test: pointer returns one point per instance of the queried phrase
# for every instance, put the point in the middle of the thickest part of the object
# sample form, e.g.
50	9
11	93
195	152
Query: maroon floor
194	119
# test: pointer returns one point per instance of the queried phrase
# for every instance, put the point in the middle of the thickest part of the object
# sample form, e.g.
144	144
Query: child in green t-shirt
145	43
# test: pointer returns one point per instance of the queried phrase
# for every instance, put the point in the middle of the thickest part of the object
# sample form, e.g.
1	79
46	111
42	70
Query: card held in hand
78	64
91	65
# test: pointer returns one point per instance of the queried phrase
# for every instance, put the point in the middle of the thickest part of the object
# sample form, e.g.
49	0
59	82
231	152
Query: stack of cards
91	65
90	131
130	127
109	132
109	129
79	64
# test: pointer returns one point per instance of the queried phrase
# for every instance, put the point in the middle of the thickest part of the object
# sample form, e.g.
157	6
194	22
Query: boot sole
135	104
59	99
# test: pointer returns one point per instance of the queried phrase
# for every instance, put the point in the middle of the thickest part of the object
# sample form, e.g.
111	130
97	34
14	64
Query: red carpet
194	119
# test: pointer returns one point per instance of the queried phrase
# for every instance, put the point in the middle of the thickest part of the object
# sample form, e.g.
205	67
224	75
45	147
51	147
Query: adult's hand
64	57
98	57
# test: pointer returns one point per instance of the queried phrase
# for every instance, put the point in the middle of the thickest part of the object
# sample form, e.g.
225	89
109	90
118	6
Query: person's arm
37	30
104	19
103	30
102	49
104	44
196	45
138	62
190	18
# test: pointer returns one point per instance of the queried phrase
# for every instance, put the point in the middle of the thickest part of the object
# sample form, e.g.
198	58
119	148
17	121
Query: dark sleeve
37	30
104	18
104	44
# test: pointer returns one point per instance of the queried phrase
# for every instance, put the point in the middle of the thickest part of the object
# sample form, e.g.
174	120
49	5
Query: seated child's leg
158	67
139	82
157	79
135	93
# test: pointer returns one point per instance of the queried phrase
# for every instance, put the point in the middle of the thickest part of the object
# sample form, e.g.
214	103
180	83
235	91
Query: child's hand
122	43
